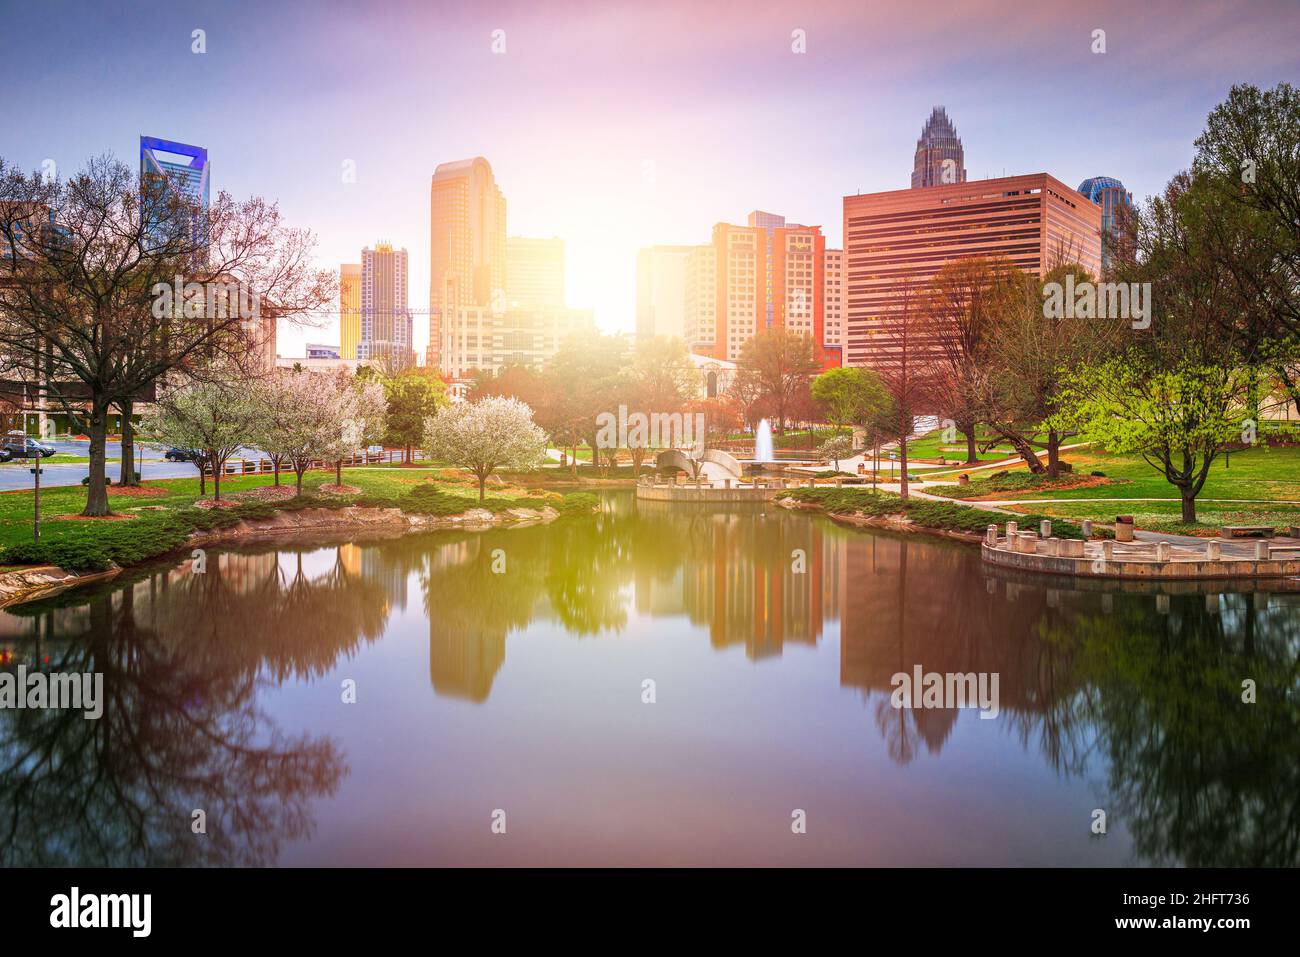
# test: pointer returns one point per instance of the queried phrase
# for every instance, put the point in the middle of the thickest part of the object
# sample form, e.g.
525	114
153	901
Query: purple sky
618	125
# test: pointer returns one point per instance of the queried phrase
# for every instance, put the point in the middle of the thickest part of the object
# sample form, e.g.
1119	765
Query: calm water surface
521	690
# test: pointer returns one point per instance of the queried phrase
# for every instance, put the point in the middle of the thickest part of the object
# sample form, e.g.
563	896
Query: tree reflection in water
1149	696
183	656
1141	695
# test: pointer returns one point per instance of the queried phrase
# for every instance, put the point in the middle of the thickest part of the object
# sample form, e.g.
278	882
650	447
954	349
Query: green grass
97	543
945	516
932	446
1268	476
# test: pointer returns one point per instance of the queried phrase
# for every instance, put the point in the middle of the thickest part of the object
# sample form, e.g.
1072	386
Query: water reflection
1136	694
183	656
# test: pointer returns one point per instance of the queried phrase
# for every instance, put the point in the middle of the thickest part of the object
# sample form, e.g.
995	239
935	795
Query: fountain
763	442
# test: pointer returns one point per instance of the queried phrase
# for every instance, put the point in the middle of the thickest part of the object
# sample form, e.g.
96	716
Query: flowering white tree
318	417
214	419
494	432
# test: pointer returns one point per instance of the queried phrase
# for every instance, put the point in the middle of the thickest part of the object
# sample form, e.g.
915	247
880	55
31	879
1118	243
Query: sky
619	125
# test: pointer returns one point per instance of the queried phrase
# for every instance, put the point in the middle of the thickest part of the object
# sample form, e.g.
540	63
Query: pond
650	685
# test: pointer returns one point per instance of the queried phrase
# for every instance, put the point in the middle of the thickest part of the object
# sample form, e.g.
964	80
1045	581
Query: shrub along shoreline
121	544
924	514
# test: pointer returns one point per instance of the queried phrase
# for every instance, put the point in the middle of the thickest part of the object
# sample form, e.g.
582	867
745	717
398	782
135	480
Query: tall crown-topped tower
940	159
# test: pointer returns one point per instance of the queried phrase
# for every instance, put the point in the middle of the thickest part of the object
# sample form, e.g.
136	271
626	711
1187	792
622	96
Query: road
17	474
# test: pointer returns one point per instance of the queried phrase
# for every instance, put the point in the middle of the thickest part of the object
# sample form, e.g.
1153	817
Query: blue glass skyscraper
163	176
1108	193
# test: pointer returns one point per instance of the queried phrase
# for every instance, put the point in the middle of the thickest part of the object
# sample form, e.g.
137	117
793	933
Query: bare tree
108	284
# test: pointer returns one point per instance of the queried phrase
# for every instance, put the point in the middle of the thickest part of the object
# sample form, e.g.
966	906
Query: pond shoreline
27	583
889	523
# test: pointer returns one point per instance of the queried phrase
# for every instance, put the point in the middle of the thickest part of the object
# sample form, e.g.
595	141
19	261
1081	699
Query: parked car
183	455
21	447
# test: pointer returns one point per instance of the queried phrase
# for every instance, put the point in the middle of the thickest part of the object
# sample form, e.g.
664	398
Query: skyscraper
661	291
349	309
467	242
895	242
534	273
1109	193
940	159
768	273
833	311
385	320
171	170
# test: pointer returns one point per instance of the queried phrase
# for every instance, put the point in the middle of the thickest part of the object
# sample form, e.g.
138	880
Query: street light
36	517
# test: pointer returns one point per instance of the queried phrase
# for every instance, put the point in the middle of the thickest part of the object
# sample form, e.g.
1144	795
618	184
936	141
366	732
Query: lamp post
36	515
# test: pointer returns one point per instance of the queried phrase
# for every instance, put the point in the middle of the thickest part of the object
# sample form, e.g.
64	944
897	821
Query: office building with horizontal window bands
896	241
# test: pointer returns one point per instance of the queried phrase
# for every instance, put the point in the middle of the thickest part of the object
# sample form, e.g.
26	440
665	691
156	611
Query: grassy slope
88	543
1271	475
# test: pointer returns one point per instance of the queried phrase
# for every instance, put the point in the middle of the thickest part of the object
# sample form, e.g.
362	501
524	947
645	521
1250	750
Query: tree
216	420
486	435
661	380
775	364
1028	352
836	448
849	394
89	269
331	414
1247	178
963	302
1178	417
583	379
906	375
411	396
1178	392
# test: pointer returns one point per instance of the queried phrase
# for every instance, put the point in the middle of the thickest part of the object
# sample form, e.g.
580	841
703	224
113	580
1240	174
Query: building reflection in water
1139	693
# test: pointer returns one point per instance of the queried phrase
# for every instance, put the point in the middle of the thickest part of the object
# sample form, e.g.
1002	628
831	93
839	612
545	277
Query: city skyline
659	155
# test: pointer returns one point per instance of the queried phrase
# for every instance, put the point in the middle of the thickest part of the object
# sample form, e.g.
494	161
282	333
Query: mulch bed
332	489
130	491
213	503
266	493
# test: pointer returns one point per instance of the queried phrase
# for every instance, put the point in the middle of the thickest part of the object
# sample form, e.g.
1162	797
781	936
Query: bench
1246	531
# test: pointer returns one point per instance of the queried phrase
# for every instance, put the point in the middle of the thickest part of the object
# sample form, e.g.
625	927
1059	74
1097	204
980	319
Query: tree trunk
97	489
482	480
972	454
1189	505
275	467
902	465
338	472
203	480
217	468
298	472
127	476
1053	453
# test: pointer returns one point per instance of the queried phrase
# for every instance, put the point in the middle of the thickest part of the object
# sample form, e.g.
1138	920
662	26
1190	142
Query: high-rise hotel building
833	313
467	242
767	274
349	309
385	319
895	242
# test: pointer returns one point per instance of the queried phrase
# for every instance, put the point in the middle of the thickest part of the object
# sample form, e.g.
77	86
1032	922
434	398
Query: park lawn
1167	516
932	446
1264	474
175	496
